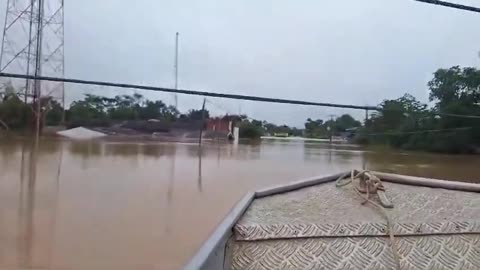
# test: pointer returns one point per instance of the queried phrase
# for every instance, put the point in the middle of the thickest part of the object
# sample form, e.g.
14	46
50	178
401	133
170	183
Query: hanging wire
450	5
418	132
188	92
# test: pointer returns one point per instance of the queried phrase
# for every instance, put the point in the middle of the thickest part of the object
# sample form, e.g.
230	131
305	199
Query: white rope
373	184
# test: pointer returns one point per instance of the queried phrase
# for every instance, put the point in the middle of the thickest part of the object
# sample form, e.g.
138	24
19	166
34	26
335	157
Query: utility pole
176	68
331	126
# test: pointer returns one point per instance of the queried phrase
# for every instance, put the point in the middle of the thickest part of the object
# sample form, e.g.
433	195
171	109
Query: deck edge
223	231
278	189
219	235
427	182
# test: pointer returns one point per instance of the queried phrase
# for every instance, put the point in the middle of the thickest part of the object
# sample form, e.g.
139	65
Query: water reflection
85	149
123	149
200	153
26	206
343	156
332	154
170	187
150	205
195	151
158	150
28	217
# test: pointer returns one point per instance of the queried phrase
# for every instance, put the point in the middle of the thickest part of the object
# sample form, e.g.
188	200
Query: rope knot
370	184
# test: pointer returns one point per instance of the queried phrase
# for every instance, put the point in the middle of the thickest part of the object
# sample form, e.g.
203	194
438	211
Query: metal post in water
203	122
200	147
199	181
331	127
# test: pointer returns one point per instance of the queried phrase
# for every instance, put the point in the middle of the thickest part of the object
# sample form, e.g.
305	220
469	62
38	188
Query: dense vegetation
251	128
101	111
93	110
452	125
403	122
324	129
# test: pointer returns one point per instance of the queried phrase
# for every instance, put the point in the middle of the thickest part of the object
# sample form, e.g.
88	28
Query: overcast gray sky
350	51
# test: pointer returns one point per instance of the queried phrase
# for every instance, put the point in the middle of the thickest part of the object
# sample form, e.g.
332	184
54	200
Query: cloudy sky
350	51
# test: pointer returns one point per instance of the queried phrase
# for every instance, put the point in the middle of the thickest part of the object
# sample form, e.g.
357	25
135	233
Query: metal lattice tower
33	44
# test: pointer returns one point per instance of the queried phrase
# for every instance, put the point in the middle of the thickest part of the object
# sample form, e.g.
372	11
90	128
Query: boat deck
327	227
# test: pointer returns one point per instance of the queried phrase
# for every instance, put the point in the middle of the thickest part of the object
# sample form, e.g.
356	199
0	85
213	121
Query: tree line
251	128
92	111
404	122
451	125
101	111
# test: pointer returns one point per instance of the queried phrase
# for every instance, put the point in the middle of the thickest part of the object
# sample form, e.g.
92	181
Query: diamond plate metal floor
325	227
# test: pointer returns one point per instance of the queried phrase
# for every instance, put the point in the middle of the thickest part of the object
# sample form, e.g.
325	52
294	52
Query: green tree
98	110
398	114
315	128
270	128
456	91
84	112
14	113
125	107
455	86
409	124
151	110
345	122
198	114
250	130
54	114
170	113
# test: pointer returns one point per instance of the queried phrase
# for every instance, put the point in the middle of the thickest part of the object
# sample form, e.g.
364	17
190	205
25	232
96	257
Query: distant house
225	123
219	124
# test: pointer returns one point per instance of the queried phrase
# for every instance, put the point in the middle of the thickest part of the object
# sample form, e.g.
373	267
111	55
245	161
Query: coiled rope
373	184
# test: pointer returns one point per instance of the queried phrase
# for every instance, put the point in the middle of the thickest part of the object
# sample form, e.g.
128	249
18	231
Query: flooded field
100	205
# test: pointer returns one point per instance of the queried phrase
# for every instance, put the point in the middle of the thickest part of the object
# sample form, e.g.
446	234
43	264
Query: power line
451	5
213	94
457	115
188	92
418	132
430	113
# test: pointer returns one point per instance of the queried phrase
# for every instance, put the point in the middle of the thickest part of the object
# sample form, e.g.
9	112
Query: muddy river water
104	205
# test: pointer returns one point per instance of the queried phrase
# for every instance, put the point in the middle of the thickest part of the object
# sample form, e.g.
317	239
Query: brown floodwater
102	205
